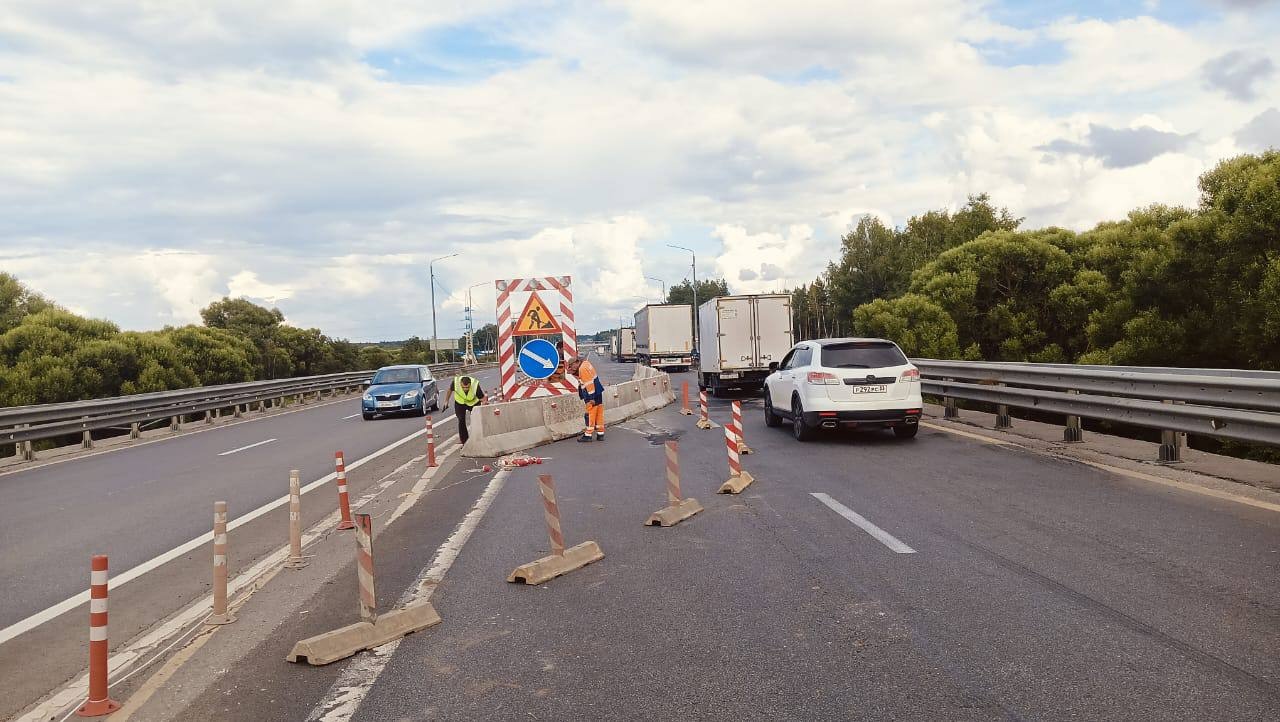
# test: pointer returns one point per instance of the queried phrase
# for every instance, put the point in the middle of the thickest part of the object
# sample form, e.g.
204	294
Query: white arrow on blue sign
539	359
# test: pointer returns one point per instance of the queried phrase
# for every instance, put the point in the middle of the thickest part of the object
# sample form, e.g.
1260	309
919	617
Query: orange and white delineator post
704	419
373	630
737	429
364	567
220	614
431	443
296	560
684	394
344	501
561	560
738	479
99	702
677	509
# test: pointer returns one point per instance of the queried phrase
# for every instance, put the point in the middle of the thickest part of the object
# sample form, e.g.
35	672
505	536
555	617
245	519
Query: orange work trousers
594	418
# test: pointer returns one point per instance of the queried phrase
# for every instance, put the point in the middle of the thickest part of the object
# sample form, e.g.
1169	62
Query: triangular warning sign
536	319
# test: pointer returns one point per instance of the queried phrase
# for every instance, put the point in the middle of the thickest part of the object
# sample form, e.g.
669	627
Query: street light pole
435	341
695	292
664	286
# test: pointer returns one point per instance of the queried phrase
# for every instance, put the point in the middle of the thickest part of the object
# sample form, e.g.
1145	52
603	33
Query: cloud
1262	132
1237	73
161	155
1122	147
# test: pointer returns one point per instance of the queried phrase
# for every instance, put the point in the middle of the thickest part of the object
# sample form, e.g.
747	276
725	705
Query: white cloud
161	155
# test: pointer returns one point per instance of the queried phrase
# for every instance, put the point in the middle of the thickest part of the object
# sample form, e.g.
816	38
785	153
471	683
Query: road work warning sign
536	319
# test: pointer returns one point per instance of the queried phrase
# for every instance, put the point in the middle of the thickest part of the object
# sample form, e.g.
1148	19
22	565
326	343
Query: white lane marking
344	418
344	698
247	582
242	448
861	522
71	603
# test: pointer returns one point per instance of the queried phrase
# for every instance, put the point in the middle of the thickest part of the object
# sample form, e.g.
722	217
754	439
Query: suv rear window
862	355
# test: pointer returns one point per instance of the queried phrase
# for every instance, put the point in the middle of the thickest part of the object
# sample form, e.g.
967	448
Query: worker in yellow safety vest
591	391
465	394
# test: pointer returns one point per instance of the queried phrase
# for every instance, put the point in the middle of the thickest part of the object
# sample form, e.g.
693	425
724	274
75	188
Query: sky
316	155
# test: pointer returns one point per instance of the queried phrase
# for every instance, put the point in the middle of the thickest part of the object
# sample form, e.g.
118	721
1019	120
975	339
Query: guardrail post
135	431
1171	443
236	412
1003	420
175	424
949	408
86	439
24	449
1073	433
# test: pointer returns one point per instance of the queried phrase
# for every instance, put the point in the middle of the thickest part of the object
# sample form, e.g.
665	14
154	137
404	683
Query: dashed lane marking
861	522
245	448
57	610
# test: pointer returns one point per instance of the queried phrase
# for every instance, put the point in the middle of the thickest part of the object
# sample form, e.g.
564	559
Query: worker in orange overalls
591	391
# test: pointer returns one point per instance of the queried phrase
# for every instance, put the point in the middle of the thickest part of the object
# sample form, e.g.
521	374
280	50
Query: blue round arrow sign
539	359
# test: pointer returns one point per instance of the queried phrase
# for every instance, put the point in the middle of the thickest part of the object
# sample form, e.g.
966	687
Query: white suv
832	382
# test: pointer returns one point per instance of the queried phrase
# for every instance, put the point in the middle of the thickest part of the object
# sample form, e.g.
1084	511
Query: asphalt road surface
860	577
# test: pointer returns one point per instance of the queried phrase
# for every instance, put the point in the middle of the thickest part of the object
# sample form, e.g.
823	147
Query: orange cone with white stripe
677	509
738	479
220	614
737	429
344	501
684	394
561	560
99	702
704	420
431	443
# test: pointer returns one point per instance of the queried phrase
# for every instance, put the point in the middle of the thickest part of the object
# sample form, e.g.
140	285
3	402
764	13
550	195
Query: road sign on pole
539	359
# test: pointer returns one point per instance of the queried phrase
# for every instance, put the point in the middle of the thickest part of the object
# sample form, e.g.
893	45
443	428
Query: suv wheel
771	418
802	431
906	432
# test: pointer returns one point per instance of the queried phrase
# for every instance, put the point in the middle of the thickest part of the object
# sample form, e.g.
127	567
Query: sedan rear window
396	376
862	355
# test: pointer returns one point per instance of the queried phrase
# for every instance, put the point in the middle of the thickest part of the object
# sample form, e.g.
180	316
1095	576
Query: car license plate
729	375
878	389
387	404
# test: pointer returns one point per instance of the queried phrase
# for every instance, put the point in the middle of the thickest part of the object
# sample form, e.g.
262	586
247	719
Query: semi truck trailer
664	336
740	337
624	346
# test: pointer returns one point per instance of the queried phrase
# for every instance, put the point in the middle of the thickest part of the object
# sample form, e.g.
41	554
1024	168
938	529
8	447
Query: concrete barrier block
562	416
736	484
550	567
498	429
346	641
674	514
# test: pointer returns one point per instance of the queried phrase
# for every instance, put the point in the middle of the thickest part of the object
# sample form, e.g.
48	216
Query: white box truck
664	336
740	336
624	347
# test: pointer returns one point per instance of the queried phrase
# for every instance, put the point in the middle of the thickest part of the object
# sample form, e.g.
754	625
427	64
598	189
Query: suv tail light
822	378
909	375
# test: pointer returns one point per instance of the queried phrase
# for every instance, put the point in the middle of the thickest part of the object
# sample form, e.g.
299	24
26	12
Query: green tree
17	302
259	325
682	292
374	357
215	355
997	288
922	328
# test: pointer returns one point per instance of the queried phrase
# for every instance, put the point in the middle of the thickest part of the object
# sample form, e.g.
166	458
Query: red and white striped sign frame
512	387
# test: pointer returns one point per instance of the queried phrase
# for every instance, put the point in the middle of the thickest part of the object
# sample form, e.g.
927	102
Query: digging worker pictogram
465	394
591	391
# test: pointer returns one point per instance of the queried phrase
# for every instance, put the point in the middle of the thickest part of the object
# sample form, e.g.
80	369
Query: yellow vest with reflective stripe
468	398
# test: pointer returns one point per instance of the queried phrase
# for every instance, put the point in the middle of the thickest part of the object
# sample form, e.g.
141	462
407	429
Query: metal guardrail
21	424
1220	403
